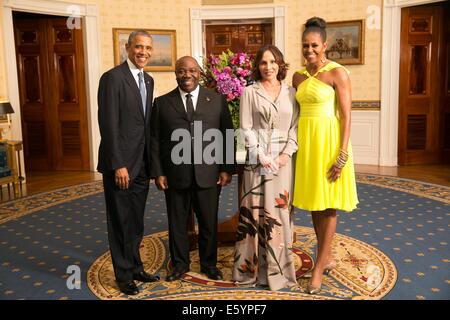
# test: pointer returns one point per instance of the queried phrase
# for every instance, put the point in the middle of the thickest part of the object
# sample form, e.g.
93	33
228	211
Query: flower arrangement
229	73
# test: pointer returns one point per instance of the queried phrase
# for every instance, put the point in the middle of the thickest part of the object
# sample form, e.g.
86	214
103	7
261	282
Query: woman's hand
334	173
268	163
282	160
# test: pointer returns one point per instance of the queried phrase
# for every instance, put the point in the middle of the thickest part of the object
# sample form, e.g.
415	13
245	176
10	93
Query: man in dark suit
125	96
195	183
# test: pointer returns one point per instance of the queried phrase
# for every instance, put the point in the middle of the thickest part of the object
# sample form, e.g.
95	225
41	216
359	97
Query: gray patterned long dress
263	251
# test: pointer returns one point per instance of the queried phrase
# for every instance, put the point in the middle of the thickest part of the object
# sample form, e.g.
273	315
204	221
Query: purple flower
223	76
213	60
232	87
228	74
241	58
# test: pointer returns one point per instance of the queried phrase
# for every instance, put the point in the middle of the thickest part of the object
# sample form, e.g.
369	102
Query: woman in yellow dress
324	172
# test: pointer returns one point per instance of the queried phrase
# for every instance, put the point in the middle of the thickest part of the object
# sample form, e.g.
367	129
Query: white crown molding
52	7
279	11
235	12
407	3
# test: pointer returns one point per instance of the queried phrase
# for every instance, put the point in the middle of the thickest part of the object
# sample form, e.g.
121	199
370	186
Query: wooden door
237	37
52	93
445	91
420	108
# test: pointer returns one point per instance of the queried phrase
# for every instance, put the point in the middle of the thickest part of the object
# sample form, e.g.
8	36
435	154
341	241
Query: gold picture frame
346	41
164	53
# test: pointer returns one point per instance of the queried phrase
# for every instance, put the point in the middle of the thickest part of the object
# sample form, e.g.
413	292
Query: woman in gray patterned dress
268	115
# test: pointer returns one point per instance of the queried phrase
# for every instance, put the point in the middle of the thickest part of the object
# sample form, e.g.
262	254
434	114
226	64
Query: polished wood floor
38	182
437	174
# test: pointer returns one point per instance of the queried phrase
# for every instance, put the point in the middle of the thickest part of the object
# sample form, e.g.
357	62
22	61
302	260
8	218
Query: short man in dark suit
125	96
187	184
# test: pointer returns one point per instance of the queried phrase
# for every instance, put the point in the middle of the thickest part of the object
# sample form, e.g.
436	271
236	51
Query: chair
9	173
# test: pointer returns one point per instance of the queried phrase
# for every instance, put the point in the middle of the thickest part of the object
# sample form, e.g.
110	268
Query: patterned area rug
364	272
395	246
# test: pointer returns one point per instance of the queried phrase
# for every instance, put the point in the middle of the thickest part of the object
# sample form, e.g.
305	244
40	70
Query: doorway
237	36
52	89
424	90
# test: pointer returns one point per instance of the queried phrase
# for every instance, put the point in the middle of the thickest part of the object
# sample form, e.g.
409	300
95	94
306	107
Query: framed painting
164	53
346	41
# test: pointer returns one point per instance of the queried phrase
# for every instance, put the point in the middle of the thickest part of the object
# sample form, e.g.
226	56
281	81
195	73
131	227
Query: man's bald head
182	60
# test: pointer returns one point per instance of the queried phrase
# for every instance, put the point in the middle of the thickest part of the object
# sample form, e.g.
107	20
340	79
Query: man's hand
224	178
161	183
122	179
282	160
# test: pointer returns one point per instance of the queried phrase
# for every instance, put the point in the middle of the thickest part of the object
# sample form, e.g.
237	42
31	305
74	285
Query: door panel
445	91
52	86
33	88
419	96
238	37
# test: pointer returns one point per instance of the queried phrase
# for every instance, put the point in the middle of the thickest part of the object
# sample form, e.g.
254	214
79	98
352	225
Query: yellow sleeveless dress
319	138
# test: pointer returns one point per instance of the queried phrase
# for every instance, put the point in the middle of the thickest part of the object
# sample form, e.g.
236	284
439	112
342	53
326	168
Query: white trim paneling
364	135
233	13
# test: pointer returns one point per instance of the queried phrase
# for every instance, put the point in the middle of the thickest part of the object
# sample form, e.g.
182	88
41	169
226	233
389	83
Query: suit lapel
177	103
202	102
149	88
133	86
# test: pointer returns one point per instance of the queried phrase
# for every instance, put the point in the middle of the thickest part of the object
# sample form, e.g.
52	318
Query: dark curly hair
279	59
316	24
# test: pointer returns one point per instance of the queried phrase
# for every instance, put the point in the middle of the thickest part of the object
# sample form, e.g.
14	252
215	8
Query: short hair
138	32
316	24
279	59
177	63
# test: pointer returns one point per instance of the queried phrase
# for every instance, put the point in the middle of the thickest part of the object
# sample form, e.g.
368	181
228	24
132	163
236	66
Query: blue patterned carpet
42	235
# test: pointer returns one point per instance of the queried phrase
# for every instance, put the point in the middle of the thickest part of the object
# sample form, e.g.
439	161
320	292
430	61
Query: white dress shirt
135	72
194	97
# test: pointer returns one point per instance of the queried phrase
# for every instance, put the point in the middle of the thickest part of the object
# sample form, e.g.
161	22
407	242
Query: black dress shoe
128	287
212	273
145	277
176	274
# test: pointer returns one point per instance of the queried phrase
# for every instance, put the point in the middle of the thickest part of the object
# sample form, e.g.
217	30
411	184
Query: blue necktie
142	90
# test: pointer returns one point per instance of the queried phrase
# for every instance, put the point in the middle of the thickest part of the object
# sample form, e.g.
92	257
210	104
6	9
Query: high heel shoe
326	271
313	290
330	267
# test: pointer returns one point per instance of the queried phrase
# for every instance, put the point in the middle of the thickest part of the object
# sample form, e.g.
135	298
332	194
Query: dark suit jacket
169	114
125	132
